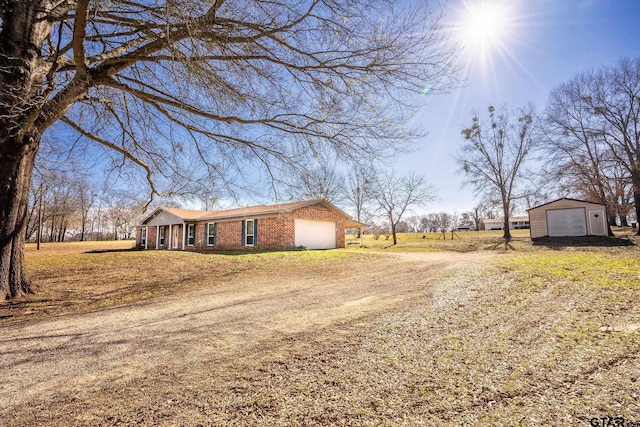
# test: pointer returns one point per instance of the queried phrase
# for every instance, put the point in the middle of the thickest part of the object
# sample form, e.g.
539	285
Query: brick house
314	224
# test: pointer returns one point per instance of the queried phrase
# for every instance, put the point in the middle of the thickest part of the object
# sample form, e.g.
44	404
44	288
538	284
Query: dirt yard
334	338
143	363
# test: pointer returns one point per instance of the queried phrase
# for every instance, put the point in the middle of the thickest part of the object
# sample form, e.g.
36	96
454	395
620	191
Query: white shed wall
589	225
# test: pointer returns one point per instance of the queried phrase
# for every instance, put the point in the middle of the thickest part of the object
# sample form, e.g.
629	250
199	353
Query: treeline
440	222
69	207
591	136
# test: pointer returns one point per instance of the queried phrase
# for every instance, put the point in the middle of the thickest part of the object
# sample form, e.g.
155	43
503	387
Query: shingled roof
197	215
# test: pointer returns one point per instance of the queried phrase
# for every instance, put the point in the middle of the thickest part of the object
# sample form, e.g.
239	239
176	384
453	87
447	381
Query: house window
163	233
249	233
191	234
143	238
211	234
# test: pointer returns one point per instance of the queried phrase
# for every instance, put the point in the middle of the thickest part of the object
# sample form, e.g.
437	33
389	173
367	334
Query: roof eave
566	198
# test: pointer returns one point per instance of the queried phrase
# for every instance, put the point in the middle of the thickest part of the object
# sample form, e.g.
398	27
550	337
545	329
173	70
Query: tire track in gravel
42	358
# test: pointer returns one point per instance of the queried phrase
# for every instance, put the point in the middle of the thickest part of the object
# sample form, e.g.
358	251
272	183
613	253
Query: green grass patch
588	268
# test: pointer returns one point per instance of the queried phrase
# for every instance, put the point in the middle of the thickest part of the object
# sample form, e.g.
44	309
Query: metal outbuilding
568	217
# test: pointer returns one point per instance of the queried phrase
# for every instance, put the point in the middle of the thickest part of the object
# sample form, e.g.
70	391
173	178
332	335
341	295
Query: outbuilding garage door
315	234
566	222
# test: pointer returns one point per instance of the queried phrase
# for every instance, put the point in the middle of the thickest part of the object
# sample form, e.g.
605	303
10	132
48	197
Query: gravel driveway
46	363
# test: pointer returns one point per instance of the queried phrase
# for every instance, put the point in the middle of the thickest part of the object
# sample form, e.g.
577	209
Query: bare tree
402	227
121	218
98	220
238	85
592	123
60	205
619	187
426	225
396	195
493	155
86	197
32	223
66	200
455	223
466	220
413	222
358	190
477	215
613	98
320	182
205	198
577	156
441	222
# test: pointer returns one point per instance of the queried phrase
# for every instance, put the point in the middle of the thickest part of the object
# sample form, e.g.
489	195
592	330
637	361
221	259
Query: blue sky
546	43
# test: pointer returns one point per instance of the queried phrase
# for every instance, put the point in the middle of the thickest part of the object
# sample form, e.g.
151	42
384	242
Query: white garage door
315	234
566	222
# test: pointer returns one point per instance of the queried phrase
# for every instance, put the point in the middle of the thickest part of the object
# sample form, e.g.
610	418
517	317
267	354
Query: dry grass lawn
534	335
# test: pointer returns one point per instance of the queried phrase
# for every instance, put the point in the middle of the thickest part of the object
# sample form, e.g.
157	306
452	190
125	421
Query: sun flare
484	25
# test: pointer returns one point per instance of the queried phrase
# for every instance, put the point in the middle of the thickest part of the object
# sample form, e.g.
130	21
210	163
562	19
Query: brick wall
229	235
151	237
200	236
273	232
276	232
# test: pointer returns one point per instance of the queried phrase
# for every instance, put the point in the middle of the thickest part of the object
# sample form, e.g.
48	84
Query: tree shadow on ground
205	251
582	241
502	245
104	251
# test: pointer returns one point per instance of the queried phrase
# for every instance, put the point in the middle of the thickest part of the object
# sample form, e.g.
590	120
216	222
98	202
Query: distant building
515	223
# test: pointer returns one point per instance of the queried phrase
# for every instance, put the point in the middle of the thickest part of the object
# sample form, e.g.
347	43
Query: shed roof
568	199
197	215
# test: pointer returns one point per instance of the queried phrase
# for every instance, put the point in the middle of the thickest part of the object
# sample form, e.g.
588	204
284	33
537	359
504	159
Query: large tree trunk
623	220
393	233
636	197
506	207
22	72
635	181
16	165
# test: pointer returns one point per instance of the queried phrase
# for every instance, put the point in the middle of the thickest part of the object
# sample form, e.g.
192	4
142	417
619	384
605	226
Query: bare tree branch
125	153
493	155
234	85
396	195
